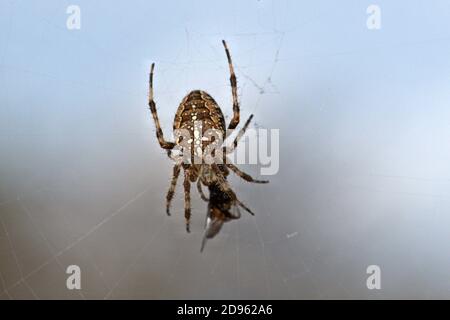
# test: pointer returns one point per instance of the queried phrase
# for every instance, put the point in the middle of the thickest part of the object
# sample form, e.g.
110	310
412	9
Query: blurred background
364	126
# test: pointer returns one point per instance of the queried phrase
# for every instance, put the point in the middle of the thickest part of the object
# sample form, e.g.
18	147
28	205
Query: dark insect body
221	209
198	107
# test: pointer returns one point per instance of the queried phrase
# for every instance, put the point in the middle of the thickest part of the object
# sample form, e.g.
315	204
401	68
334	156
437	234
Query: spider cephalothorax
199	124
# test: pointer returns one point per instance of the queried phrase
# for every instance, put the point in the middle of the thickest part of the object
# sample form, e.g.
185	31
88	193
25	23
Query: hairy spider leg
173	183
159	133
235	120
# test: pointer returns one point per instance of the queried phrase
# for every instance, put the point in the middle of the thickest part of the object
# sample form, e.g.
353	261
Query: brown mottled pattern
200	104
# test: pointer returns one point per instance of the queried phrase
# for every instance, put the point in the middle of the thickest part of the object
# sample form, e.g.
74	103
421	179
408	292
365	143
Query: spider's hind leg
187	200
173	183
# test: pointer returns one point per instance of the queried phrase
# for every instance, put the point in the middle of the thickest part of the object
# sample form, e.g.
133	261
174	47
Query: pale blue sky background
364	125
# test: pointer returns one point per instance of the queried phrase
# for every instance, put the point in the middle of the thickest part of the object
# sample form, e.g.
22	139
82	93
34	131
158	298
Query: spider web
234	242
271	255
192	40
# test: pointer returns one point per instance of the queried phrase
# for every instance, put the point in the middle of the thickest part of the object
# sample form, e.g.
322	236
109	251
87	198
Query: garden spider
199	107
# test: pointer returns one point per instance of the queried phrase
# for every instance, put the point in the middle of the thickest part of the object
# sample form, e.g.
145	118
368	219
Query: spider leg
238	137
200	190
245	207
173	183
159	134
187	200
235	121
244	175
225	187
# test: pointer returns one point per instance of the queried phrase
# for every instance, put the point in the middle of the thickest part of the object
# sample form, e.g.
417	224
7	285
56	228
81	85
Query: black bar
227	309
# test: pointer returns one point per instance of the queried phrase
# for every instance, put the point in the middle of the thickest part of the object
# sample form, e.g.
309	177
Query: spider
198	107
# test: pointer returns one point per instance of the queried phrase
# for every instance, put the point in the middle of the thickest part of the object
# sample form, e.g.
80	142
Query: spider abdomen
199	106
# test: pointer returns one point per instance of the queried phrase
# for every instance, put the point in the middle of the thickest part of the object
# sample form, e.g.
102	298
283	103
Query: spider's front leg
244	175
151	103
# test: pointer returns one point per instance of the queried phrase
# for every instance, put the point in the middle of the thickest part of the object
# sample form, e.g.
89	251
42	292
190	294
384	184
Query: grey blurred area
363	180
